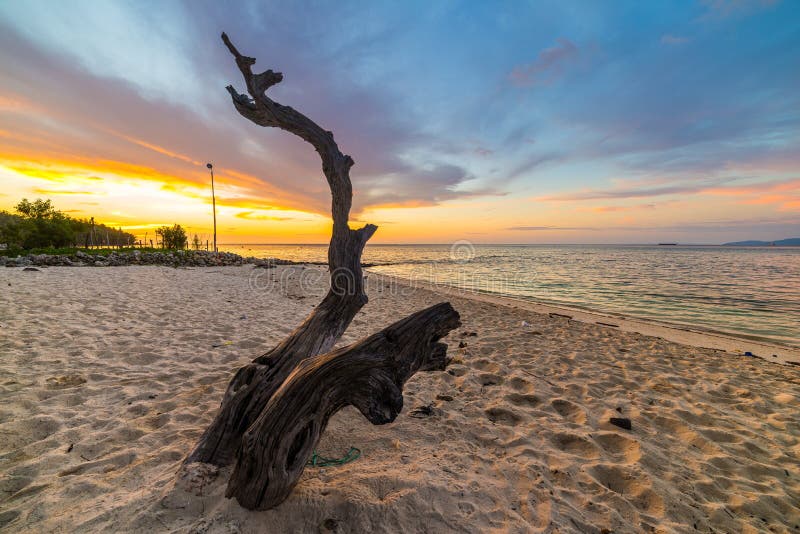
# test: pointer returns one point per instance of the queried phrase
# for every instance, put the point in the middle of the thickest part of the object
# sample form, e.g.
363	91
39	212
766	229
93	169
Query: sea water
752	291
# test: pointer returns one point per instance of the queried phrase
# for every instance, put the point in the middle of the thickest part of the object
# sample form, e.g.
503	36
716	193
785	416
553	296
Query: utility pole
213	204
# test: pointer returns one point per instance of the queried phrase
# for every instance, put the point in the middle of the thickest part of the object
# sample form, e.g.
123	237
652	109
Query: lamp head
209	165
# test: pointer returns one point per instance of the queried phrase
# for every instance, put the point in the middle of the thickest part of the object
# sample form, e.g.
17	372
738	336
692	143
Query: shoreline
695	336
698	337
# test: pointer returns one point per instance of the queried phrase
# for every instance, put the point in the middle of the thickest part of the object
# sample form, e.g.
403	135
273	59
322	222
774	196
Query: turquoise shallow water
742	290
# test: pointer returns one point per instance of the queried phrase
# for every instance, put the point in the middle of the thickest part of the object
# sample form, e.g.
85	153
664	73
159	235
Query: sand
108	376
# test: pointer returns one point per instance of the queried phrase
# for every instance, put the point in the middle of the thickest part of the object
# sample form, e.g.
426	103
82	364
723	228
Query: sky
546	121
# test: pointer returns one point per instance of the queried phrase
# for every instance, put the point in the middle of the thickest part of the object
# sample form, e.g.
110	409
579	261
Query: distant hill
791	242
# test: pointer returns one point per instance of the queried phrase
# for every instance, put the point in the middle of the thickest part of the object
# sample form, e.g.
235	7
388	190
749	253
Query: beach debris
526	324
748	353
318	460
222	344
31	269
462	344
607	324
446	398
622	422
560	315
469	334
69	449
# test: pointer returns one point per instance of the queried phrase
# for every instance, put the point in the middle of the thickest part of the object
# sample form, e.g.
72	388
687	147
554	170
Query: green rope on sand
320	461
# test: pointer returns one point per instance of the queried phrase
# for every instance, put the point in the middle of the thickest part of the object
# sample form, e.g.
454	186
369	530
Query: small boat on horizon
667	244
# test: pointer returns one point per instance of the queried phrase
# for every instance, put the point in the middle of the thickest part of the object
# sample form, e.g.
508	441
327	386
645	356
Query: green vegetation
39	228
38	225
172	237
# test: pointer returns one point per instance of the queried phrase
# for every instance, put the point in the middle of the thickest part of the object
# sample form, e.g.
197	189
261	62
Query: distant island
791	242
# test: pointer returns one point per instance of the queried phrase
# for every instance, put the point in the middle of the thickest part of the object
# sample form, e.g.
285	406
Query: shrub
172	237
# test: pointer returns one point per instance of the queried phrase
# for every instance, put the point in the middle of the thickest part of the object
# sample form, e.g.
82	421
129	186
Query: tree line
39	225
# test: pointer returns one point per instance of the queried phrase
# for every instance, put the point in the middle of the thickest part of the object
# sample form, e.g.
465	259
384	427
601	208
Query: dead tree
275	408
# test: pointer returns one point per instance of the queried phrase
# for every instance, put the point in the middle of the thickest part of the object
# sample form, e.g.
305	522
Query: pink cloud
548	66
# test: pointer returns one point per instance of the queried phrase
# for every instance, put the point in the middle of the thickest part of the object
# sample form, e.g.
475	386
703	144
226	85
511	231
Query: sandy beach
109	375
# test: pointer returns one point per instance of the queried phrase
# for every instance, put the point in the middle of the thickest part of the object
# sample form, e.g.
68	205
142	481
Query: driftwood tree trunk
280	403
369	375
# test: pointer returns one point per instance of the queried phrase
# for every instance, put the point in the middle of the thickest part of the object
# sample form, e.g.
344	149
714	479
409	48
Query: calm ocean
742	290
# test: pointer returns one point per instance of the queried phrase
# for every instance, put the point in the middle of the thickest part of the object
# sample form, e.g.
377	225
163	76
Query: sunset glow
631	125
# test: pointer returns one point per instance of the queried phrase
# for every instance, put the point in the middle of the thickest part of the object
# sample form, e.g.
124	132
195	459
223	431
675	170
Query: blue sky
641	120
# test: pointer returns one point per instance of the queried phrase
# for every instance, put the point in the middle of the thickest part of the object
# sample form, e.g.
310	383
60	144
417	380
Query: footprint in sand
620	446
576	445
523	399
569	410
484	364
488	379
503	416
720	436
633	486
619	479
539	508
520	384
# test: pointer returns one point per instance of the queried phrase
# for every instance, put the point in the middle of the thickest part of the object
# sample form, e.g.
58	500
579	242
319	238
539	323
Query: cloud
783	193
782	223
727	8
252	216
612	209
631	192
55	192
413	187
548	228
93	117
548	67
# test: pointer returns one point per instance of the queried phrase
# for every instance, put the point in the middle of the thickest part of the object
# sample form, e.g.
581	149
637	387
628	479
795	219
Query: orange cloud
160	150
40	191
251	216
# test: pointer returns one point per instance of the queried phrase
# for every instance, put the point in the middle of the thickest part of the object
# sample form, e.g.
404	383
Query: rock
622	422
446	398
30	269
181	258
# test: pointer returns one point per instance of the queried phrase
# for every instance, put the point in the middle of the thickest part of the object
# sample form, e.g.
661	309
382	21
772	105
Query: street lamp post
213	204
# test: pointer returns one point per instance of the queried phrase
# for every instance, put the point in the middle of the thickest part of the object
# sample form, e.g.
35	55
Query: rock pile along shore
180	258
